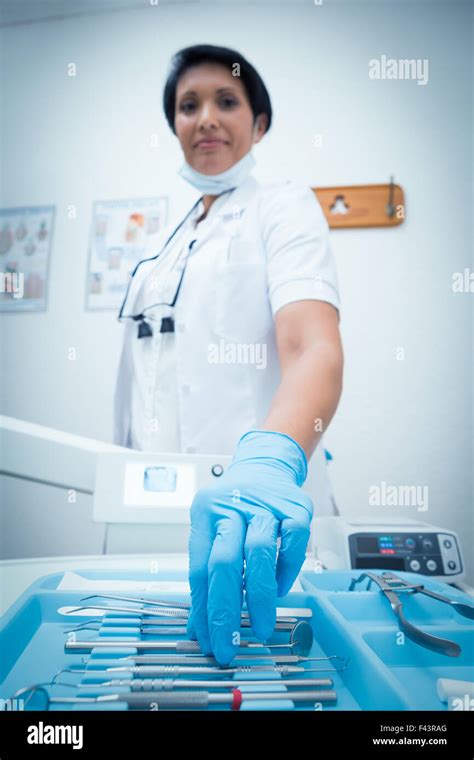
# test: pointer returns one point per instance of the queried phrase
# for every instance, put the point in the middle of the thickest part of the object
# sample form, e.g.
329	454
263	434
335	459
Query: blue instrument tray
385	670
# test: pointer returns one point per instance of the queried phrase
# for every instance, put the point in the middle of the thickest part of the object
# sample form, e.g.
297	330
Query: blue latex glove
257	499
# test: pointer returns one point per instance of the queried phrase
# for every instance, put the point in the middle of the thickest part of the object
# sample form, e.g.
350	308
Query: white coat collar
230	205
225	208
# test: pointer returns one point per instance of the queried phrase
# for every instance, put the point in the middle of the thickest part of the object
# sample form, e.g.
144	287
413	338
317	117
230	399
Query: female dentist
232	344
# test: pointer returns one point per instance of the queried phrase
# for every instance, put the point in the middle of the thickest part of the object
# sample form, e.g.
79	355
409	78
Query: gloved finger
190	629
200	546
226	585
199	552
260	581
295	534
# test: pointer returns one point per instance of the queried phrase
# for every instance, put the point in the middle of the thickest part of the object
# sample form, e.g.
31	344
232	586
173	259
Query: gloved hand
257	499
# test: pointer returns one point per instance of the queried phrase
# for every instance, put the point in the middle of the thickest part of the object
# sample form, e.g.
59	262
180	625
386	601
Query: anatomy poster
25	247
123	232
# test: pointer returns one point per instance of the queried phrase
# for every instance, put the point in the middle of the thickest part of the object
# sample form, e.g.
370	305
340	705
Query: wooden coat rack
362	205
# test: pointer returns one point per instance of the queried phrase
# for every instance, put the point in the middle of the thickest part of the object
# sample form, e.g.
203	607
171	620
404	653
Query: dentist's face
214	122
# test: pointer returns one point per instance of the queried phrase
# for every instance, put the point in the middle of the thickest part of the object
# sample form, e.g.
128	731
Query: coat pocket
242	308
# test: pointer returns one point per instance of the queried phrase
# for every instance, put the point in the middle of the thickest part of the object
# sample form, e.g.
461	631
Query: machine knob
415	565
431	565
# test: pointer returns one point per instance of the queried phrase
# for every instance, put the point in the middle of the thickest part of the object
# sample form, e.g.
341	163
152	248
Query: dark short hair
257	93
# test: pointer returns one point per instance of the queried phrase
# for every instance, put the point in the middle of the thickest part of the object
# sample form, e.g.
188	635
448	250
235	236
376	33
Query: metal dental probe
184	700
177	670
169	670
163	684
189	664
192	660
159	671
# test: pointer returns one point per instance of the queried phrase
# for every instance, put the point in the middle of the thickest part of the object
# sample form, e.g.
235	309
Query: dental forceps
184	700
390	585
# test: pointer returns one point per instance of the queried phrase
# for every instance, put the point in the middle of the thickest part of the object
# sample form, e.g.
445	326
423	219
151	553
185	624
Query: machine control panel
424	553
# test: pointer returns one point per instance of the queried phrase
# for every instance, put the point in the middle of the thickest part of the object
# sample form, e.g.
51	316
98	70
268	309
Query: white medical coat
259	248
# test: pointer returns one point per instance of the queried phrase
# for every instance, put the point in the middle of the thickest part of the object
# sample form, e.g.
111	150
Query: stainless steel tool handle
150	700
187	647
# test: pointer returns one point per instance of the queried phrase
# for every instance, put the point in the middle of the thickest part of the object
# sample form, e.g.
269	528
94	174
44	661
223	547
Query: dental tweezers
300	612
160	609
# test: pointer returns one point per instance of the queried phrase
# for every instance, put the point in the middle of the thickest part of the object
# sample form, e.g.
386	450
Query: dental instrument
184	700
390	585
301	641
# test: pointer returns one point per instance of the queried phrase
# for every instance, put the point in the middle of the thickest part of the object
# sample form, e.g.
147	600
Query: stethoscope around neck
144	317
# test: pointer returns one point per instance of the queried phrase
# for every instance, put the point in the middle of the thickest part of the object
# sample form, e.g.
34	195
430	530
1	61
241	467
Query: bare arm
311	361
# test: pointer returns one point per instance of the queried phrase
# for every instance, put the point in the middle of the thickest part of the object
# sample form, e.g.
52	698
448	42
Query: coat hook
390	208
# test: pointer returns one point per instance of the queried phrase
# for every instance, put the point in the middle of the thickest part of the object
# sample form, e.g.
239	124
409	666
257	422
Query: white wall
77	140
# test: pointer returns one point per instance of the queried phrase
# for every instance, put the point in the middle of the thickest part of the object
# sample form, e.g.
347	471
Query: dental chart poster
26	235
123	232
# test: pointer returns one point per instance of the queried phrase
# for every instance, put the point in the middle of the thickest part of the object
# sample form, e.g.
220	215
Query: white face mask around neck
215	184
